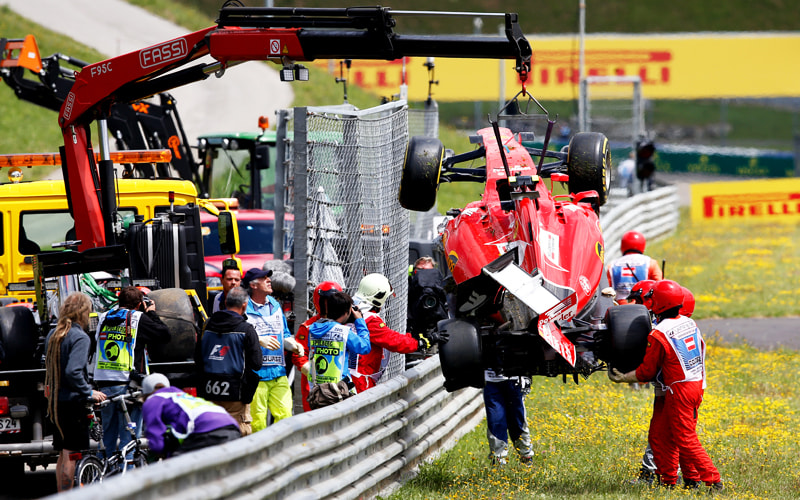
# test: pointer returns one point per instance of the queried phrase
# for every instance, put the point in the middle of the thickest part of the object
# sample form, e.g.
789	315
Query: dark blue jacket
228	357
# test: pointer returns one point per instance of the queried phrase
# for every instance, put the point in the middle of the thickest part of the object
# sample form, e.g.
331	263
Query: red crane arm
282	35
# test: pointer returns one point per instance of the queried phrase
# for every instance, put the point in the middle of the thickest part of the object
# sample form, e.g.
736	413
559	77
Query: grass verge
589	438
735	271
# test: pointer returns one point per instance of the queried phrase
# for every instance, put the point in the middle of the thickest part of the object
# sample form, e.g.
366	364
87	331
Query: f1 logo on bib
274	47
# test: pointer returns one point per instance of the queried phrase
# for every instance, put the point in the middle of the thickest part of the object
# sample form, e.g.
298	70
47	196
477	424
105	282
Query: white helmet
374	289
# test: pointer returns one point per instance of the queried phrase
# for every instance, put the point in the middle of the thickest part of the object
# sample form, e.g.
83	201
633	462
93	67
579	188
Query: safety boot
691	484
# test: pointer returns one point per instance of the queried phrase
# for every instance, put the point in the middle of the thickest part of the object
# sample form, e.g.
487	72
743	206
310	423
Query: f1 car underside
514	324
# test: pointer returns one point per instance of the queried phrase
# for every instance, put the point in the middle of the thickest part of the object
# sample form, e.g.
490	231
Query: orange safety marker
28	56
54	159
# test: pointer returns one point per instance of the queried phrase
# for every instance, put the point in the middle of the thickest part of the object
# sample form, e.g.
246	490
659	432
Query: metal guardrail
367	444
353	449
655	214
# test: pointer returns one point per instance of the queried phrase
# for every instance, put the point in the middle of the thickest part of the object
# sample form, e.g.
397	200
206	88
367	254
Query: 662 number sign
218	388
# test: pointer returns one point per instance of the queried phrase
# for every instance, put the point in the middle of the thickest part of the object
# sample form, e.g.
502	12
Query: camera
352	317
427	300
146	302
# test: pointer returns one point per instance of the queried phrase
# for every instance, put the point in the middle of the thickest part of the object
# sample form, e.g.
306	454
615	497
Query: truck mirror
228	232
261	156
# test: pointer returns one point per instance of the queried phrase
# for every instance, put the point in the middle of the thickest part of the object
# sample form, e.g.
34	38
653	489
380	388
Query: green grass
589	438
749	270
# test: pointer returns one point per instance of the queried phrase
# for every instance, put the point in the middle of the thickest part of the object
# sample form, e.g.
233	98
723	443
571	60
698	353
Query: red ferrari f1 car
527	264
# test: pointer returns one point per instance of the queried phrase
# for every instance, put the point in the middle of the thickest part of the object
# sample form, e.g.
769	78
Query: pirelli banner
674	66
775	200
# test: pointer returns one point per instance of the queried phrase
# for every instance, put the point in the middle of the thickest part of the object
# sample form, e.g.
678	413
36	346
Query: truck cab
35	218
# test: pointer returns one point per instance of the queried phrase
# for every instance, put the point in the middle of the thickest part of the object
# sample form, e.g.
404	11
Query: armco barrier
654	214
353	449
366	444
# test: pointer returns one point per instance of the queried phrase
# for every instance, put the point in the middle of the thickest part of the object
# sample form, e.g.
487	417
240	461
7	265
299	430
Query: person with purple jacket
176	422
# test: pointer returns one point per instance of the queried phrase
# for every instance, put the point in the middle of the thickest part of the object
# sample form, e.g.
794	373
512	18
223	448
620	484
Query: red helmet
688	303
666	295
325	286
642	293
633	241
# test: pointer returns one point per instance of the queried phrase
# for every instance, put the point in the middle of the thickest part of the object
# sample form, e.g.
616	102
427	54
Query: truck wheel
18	335
421	168
588	161
460	356
175	310
628	328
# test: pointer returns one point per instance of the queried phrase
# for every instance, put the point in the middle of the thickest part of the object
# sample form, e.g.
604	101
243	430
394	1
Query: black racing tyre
175	309
88	470
18	336
421	168
588	164
628	328
461	356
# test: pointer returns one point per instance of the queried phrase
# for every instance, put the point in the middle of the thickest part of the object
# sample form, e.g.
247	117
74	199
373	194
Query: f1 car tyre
461	355
88	470
588	161
421	168
175	310
18	337
628	328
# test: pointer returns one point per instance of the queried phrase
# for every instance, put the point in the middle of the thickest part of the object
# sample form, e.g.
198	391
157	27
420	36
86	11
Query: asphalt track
764	333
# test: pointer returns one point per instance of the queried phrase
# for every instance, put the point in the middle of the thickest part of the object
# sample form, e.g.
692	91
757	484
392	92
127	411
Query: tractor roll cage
281	35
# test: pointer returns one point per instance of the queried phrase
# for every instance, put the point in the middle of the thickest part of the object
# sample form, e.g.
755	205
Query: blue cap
254	274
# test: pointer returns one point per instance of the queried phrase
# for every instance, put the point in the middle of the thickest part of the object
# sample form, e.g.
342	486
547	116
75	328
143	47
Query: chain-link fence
425	120
348	222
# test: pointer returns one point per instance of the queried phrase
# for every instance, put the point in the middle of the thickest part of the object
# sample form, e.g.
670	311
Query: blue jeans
114	424
506	418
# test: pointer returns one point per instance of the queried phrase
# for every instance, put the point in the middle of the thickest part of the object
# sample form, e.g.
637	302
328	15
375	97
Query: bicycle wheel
89	469
139	459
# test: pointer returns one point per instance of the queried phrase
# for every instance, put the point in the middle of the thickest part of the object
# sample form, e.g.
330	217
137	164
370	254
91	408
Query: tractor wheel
628	328
175	310
460	356
588	162
18	337
421	168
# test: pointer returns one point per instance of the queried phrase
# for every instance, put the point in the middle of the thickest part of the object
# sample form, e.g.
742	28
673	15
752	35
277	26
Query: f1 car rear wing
280	35
135	126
